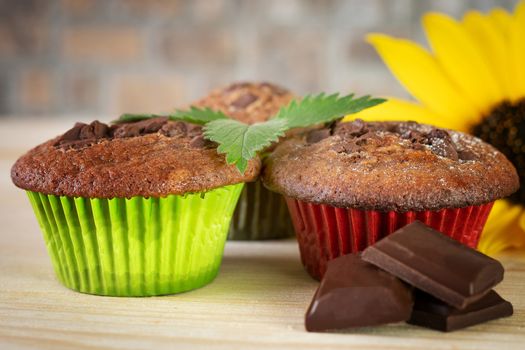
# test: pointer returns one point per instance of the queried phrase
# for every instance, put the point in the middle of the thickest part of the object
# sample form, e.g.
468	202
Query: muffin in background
260	214
134	209
350	184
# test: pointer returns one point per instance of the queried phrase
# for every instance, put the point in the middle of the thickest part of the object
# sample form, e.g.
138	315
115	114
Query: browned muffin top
389	166
150	158
247	102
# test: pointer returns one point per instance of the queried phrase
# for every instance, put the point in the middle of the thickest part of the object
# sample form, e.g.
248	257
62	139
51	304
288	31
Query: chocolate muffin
260	214
247	102
350	184
132	209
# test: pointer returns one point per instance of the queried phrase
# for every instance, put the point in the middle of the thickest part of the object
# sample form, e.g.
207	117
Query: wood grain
257	301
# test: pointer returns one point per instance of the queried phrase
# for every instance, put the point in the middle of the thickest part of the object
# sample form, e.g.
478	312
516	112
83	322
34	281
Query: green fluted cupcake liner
260	214
138	246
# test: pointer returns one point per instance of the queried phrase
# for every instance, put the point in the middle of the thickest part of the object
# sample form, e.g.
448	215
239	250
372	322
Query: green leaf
240	141
129	118
313	110
194	115
198	115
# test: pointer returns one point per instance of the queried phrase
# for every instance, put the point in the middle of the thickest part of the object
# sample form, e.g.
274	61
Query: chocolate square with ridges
436	264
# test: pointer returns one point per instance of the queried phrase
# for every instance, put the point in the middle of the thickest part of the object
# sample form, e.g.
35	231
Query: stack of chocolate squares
417	275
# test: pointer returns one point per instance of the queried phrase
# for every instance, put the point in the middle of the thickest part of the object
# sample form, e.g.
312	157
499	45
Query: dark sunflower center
504	128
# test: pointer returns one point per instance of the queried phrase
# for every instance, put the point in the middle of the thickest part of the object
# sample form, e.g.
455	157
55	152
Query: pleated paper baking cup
260	214
325	232
138	246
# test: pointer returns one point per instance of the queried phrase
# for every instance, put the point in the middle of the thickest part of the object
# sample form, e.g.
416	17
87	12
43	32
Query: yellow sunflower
473	80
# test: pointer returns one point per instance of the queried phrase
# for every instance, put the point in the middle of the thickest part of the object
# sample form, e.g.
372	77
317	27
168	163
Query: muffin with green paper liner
260	213
135	209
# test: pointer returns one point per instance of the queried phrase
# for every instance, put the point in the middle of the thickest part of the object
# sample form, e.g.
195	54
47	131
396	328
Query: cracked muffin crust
385	166
149	158
246	101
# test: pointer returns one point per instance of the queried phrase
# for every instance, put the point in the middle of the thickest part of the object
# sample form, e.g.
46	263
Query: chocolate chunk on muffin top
247	102
150	158
387	166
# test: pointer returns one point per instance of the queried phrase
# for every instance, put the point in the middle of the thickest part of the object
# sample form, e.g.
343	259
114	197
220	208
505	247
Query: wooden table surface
258	300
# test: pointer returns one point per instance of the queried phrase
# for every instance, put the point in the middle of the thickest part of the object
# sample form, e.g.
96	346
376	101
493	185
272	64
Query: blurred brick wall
103	57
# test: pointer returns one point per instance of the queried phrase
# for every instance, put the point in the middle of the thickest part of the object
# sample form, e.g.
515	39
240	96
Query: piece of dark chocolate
433	313
436	264
354	293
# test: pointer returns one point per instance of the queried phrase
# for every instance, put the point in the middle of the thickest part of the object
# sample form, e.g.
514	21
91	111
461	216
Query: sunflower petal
504	228
395	109
517	52
493	46
419	73
502	19
520	239
460	59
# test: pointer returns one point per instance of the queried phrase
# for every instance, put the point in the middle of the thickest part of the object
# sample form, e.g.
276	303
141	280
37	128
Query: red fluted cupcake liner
325	232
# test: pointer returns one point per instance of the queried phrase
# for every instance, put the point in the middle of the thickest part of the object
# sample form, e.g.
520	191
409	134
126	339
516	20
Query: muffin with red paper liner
350	184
